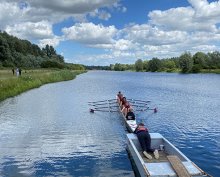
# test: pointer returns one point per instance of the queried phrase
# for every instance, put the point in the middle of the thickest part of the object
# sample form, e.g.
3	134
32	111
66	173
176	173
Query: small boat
172	162
130	124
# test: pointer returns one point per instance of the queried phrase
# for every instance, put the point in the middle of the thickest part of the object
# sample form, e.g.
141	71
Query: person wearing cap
145	141
130	115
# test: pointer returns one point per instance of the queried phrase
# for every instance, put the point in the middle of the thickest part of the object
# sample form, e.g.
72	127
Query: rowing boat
130	124
172	161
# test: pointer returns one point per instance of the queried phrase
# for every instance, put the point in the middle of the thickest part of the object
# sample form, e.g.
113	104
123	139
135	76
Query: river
49	131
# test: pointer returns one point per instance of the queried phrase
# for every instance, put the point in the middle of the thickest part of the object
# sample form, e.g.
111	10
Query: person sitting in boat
130	115
125	107
145	141
119	97
123	100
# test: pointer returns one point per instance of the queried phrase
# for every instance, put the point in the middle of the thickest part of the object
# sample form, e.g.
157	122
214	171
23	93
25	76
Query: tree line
186	63
15	52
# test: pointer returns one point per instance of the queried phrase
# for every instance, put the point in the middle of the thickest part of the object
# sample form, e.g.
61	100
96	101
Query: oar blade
94	110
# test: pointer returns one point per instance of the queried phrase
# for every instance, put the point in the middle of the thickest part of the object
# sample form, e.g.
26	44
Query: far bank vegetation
186	63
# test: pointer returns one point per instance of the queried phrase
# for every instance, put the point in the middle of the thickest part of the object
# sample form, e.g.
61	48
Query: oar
144	101
154	109
105	107
137	105
102	109
97	104
93	110
101	101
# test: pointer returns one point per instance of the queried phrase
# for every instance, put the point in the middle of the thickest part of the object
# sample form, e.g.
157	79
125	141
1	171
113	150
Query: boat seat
178	166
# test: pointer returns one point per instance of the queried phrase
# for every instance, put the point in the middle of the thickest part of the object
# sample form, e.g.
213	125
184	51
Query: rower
125	107
130	115
123	100
145	141
119	97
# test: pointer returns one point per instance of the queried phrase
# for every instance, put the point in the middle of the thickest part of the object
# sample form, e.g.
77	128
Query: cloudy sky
103	32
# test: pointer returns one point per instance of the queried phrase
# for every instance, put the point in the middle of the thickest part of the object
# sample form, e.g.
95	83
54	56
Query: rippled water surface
49	131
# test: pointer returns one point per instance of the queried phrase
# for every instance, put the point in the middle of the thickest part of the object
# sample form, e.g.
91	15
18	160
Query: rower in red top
123	100
145	141
125	106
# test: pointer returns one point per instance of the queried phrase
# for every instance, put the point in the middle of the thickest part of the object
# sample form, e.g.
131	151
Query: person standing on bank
19	70
145	141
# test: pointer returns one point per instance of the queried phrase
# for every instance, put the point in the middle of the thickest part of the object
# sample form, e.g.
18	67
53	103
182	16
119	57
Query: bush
51	64
196	68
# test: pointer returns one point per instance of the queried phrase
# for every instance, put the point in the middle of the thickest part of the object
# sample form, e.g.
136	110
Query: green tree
5	53
214	60
145	65
170	64
52	64
49	51
154	65
118	67
199	61
139	65
186	62
22	53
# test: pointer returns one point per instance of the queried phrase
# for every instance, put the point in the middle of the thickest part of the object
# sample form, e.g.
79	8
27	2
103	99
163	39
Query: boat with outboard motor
172	161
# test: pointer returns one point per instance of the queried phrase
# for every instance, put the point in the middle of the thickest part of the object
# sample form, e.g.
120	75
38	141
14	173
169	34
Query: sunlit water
49	131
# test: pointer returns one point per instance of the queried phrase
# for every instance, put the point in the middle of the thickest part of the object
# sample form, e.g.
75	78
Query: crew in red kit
145	141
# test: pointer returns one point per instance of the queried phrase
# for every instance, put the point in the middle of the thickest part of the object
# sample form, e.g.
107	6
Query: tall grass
13	86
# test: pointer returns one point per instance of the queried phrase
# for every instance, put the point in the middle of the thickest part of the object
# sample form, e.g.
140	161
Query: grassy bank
11	85
215	71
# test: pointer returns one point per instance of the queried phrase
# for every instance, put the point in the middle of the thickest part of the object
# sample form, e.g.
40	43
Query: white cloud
50	41
205	9
101	14
146	34
73	7
202	16
105	59
10	13
204	48
123	44
104	15
29	30
90	34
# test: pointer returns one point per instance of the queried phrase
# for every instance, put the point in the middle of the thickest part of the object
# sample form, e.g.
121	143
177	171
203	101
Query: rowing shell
130	124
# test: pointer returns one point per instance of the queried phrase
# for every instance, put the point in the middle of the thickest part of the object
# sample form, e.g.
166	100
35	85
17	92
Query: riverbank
11	85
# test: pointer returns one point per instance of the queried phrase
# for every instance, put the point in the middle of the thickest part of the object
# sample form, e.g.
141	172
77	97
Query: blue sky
104	32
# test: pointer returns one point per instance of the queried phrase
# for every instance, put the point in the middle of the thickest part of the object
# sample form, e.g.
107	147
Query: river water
49	131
